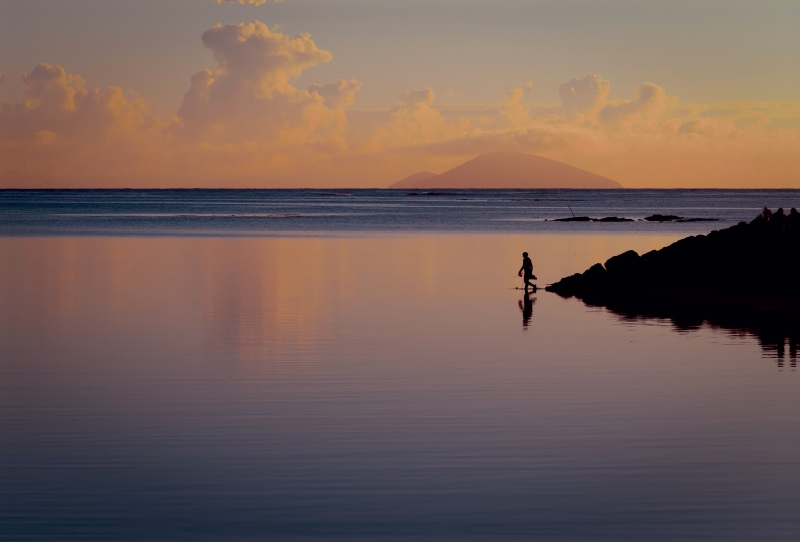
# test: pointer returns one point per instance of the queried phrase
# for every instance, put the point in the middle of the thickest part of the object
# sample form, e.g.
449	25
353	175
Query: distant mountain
509	170
412	180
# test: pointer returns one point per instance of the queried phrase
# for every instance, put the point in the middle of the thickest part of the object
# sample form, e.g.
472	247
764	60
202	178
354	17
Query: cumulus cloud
248	2
64	132
414	121
242	117
650	140
249	97
644	111
514	112
584	96
338	94
242	122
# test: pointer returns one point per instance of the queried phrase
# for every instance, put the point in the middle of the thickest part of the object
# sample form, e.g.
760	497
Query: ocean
298	365
263	213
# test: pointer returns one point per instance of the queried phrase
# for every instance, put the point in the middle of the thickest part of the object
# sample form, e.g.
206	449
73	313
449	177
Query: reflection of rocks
773	329
744	277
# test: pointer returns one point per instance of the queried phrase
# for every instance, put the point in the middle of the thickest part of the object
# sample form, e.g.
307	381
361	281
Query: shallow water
373	386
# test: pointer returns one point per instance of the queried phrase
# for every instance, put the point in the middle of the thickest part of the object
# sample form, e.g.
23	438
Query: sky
361	93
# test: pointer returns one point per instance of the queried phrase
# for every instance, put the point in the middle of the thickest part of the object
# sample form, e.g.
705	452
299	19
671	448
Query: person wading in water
527	269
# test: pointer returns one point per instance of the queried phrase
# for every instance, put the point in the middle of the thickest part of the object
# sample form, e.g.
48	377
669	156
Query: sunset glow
271	107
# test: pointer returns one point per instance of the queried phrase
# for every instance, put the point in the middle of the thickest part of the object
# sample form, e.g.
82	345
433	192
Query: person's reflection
526	306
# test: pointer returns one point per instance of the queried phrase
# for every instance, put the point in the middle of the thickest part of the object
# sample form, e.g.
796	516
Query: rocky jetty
743	277
756	260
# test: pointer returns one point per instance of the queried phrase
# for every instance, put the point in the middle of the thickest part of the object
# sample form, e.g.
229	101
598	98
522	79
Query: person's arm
519	273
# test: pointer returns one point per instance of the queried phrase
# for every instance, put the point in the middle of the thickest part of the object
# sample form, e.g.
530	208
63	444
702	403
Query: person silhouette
527	270
526	306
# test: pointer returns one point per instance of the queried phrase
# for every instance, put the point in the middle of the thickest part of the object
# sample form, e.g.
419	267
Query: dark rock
722	262
662	218
623	263
590	219
596	273
746	275
614	219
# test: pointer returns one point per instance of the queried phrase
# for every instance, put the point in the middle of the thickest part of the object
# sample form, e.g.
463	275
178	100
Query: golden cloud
243	123
247	2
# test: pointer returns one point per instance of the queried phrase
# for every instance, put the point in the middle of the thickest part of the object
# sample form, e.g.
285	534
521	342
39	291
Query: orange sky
246	121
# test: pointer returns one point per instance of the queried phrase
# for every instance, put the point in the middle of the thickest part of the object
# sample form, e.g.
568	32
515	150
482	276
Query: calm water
316	212
231	380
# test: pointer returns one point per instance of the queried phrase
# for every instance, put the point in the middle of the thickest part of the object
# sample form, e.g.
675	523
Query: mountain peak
509	170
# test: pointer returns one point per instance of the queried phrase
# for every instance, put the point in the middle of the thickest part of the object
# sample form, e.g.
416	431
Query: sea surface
300	365
263	213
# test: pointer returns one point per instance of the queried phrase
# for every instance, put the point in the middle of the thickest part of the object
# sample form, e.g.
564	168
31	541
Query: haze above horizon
308	93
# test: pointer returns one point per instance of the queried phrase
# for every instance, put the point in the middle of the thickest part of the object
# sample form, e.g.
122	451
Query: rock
676	218
614	219
623	263
746	277
590	219
753	263
662	218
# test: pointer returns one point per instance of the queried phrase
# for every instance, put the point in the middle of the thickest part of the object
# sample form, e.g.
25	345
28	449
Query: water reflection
776	331
344	388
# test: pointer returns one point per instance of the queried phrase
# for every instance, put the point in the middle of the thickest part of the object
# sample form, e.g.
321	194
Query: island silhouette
743	278
509	170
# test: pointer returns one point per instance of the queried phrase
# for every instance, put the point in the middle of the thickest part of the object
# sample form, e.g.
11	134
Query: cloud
242	122
249	95
650	140
248	2
414	97
584	96
644	111
414	121
63	131
515	113
338	94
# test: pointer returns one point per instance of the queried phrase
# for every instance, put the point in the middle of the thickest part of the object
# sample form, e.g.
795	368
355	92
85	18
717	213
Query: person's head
524	254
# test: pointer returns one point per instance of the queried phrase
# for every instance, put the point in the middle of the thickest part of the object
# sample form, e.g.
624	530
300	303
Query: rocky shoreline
744	277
